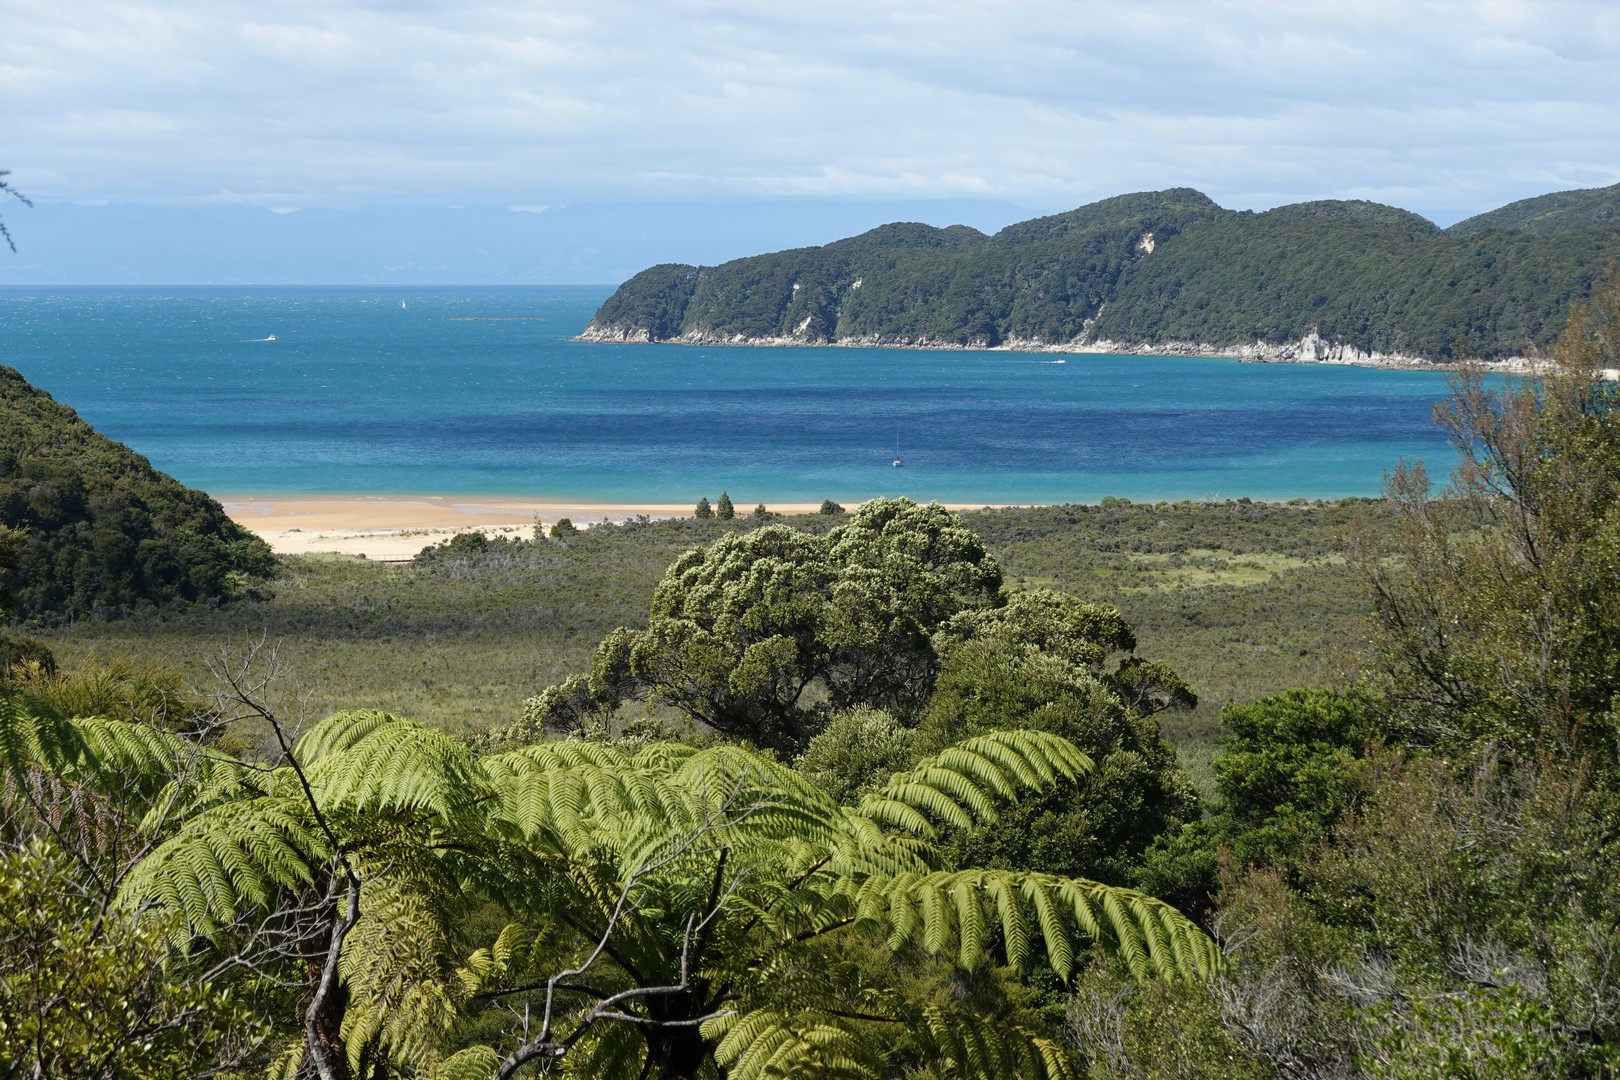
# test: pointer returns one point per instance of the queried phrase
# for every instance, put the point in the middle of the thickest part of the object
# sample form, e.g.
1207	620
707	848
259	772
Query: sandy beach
398	526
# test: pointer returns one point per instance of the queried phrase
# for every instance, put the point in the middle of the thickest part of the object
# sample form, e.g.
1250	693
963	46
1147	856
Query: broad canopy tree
742	630
1049	661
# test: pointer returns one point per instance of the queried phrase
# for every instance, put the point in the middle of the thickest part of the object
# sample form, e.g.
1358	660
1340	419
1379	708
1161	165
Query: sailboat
898	463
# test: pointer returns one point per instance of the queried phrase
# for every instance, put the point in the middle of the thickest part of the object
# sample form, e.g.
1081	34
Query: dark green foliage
830	507
1048	662
1377	283
24	652
857	752
760	512
1291	767
740	630
563	528
703	510
1444	906
723	509
103	531
1157	267
85	990
655	299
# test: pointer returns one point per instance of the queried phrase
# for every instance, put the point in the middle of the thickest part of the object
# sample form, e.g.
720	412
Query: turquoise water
481	391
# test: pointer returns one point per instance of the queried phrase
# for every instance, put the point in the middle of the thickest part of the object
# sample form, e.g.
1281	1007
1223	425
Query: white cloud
1451	106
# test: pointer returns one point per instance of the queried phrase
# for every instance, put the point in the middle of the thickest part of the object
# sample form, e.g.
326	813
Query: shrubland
1241	598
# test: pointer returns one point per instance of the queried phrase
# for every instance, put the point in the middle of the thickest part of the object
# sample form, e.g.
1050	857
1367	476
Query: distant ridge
1548	215
1165	271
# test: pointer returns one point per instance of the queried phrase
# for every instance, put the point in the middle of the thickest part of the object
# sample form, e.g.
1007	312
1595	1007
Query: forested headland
1168	270
890	792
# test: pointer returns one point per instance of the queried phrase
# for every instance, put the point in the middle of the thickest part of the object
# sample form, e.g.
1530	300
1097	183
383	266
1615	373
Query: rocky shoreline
1311	349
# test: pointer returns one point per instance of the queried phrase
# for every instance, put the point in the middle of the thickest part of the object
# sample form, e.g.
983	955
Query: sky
396	140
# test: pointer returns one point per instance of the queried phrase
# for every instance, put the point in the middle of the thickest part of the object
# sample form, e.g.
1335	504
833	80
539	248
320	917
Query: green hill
1153	268
103	531
1548	215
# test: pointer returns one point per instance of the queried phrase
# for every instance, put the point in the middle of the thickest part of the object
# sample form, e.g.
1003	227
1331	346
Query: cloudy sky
800	117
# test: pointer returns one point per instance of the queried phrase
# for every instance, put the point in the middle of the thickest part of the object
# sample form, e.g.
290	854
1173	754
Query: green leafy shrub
87	992
857	752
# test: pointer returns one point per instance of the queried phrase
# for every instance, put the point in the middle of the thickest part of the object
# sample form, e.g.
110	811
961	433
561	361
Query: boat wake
270	337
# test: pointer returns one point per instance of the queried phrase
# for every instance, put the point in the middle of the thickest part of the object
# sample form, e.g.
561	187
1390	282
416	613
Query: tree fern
767	1045
672	881
398	961
28	740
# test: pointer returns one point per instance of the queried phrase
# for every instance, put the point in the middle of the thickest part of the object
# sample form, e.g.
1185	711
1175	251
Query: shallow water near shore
447	390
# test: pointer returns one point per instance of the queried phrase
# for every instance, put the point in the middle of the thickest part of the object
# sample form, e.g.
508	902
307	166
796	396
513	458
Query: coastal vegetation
1158	268
888	792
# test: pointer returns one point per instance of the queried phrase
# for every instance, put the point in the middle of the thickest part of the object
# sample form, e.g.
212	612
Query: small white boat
270	337
897	463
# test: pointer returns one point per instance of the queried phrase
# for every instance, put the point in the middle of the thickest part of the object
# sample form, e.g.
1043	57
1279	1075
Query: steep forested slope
102	530
1153	268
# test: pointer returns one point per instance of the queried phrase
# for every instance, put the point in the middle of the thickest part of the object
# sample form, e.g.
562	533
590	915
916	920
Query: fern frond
473	1063
341	731
396	961
959	1046
609	1052
766	1045
561	754
961	786
286	1065
663	757
945	911
228	860
27	740
366	760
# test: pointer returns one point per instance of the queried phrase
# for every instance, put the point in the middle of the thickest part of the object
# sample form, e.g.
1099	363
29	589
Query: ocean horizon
481	391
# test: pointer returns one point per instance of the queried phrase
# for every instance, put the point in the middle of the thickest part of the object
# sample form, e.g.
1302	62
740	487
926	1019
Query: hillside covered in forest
88	527
1158	271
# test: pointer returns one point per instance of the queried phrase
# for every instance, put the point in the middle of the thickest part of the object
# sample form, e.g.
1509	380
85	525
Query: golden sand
398	526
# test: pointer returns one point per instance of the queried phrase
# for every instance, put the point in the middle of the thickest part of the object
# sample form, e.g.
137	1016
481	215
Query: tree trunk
675	1053
675	1047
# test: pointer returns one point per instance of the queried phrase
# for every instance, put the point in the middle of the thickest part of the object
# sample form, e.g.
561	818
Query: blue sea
482	391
